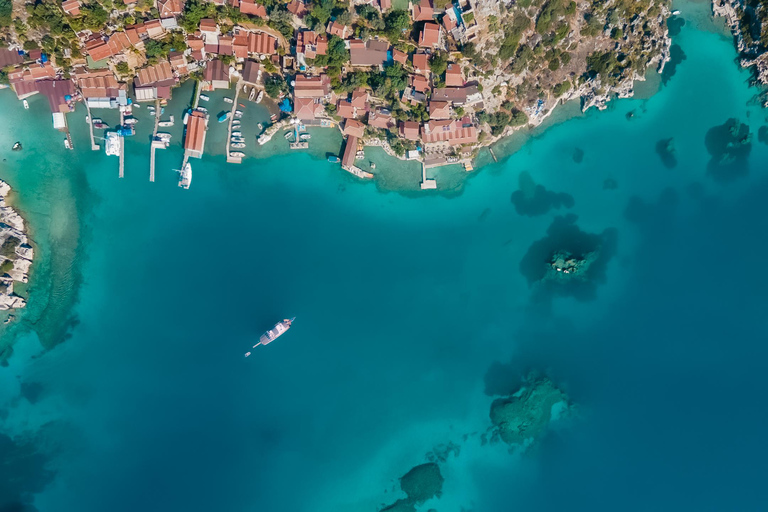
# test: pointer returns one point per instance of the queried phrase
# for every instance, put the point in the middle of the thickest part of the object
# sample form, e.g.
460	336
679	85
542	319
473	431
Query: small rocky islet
519	420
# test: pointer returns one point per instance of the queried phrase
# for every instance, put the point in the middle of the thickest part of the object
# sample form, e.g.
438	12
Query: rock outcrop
16	253
420	484
520	419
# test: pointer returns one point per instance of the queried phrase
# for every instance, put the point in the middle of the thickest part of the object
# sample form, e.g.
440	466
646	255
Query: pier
233	159
426	183
153	146
121	171
94	146
490	150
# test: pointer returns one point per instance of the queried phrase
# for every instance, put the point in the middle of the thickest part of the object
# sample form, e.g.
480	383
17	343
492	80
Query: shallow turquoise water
408	311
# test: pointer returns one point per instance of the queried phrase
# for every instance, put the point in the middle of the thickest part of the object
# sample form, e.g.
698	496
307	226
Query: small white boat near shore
26	104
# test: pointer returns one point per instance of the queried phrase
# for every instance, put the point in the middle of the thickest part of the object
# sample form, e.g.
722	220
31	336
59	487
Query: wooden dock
233	159
426	183
153	146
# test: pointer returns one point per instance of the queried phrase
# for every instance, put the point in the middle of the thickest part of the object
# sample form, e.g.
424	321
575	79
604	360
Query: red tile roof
430	35
371	53
337	29
311	87
253	8
409	130
262	43
307	108
419	83
421	63
423	12
453	76
399	56
297	7
311	44
454	132
350	152
380	119
194	140
354	128
71	7
439	110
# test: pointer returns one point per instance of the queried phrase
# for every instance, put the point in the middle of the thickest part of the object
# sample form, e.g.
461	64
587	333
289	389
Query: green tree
439	63
6	12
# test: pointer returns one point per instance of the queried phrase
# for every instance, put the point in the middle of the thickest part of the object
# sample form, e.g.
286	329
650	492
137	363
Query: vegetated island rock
16	253
568	261
522	418
746	21
420	484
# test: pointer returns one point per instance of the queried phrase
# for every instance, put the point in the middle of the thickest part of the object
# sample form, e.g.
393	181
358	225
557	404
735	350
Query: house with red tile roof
359	98
251	73
262	43
297	8
337	29
240	46
178	63
154	82
373	52
354	128
431	36
252	8
399	56
71	7
409	130
215	76
169	8
380	118
306	109
453	76
311	44
103	48
423	11
449	132
439	110
345	110
418	83
209	30
312	86
421	63
385	5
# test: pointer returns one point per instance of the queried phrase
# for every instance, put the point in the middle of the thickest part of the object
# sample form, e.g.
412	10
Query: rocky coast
16	252
747	22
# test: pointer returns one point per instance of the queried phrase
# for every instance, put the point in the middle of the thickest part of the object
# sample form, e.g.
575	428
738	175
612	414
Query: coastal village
430	80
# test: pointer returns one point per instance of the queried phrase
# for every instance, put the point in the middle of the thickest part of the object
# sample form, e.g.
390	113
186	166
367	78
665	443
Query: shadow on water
563	235
729	146
22	474
532	199
578	155
676	57
666	151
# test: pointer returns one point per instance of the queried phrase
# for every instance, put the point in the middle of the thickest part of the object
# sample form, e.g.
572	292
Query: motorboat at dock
185	176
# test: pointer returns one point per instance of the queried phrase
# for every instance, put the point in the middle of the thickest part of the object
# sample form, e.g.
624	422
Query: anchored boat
275	332
185	176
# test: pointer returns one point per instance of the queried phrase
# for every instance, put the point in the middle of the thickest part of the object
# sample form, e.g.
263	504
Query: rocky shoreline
16	253
752	54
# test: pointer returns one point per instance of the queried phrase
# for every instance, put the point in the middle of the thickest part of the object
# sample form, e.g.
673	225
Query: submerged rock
729	146
420	484
666	151
565	264
522	418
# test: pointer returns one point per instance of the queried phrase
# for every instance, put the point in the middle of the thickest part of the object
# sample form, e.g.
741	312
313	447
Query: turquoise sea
127	388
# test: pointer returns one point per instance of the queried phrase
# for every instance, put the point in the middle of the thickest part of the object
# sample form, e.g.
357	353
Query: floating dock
233	159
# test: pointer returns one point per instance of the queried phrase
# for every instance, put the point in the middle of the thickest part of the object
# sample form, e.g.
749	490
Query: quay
154	146
233	159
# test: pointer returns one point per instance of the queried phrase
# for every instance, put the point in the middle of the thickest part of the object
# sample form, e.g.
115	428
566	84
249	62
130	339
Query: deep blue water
408	312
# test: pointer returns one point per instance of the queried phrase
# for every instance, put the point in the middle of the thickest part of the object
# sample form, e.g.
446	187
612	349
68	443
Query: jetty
154	146
233	159
94	146
121	171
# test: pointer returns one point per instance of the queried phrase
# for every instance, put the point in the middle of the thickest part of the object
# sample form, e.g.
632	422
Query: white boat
305	136
238	145
26	104
204	97
185	176
237	134
185	118
237	140
237	154
260	126
228	100
238	112
275	332
131	120
67	144
163	136
260	97
202	109
112	144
